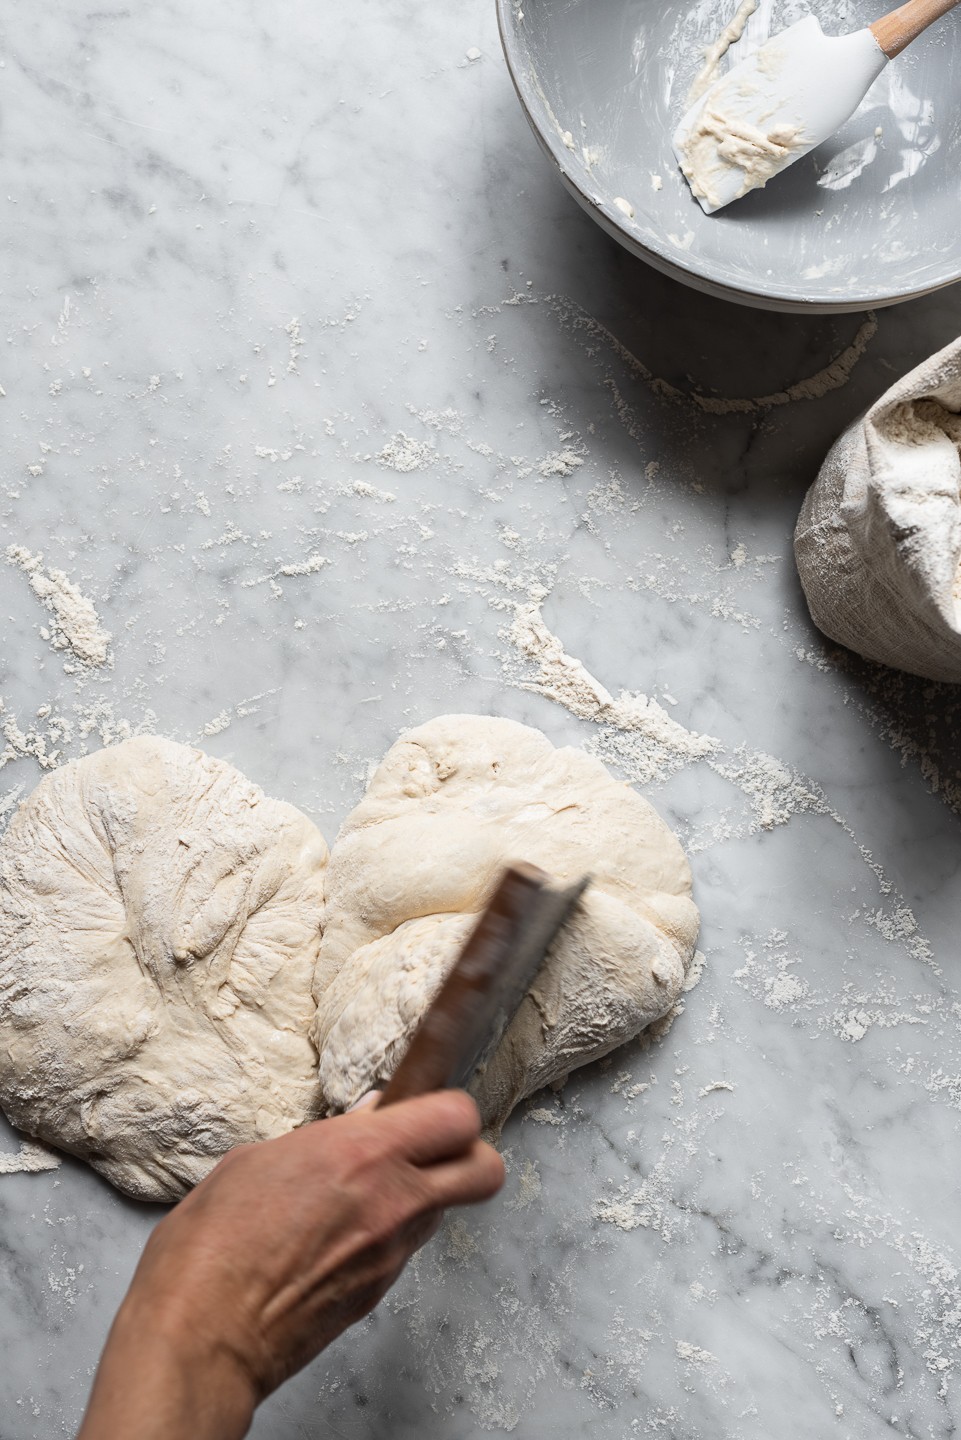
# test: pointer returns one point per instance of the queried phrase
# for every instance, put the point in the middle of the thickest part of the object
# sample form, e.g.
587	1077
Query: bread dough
160	919
452	802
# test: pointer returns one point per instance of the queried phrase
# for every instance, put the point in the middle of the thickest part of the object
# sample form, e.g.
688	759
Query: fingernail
370	1098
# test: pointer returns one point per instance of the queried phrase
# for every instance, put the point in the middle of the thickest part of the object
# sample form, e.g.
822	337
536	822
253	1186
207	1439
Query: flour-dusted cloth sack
878	540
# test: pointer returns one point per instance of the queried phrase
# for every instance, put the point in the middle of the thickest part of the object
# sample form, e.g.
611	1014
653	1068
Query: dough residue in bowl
720	142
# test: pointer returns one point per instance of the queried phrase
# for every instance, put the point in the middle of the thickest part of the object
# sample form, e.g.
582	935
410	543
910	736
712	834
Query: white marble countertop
294	281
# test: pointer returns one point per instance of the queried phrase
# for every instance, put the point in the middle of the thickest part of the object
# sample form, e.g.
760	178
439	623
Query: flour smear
31	1159
74	622
636	735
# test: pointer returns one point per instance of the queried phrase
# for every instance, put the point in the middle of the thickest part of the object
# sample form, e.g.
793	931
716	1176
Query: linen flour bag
878	540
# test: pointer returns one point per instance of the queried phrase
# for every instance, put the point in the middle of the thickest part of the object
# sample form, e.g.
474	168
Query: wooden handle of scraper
895	32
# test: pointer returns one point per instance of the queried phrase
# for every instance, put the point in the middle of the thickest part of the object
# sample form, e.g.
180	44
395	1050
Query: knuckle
457	1112
233	1160
467	1111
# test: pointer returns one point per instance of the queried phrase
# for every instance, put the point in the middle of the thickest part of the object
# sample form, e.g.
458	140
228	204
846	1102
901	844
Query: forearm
158	1385
272	1256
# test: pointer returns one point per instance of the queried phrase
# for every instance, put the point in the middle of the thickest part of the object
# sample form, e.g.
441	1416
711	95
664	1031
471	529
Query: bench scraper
496	968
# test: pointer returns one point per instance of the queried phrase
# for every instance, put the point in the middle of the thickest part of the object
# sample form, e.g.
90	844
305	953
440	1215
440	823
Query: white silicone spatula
786	98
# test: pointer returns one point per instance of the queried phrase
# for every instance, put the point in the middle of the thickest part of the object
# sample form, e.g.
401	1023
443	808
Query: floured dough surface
160	920
452	802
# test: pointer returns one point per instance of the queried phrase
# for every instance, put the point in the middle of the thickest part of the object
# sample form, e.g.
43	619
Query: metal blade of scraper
496	968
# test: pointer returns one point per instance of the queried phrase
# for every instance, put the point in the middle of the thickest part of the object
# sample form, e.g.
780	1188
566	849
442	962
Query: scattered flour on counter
775	791
295	336
785	989
694	1354
540	1116
651	1205
310	566
450	421
656	745
60	735
32	1159
75	623
627	1212
638	737
218	724
582	324
899	925
832	377
268	452
243	708
370	492
849	1011
853	1025
528	1187
560	462
404	454
714	1086
642	739
917	732
562	678
460	1244
22	744
630	1091
588	330
648	1206
930	1275
290	571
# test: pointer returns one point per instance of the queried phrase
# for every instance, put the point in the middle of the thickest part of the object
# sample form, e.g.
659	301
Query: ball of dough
160	920
450	805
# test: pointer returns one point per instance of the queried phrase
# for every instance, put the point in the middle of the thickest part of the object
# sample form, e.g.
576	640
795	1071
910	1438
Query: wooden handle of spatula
895	32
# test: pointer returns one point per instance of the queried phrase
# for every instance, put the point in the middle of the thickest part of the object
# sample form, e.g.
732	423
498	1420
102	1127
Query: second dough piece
451	803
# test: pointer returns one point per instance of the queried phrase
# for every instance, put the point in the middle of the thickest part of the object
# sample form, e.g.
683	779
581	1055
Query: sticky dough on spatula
451	803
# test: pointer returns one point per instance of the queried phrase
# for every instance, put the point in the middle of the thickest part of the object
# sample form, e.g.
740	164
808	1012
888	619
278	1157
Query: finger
430	1128
466	1180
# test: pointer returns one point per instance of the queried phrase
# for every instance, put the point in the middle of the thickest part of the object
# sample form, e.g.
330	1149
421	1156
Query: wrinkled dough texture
160	920
452	802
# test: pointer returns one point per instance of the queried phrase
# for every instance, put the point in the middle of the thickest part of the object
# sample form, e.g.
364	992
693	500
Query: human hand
283	1246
